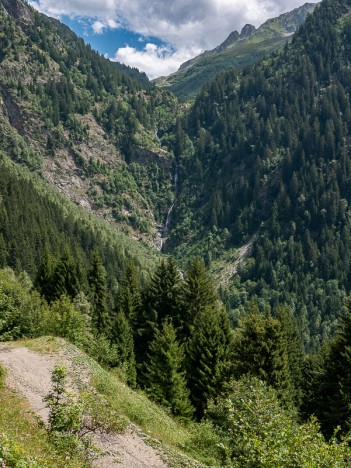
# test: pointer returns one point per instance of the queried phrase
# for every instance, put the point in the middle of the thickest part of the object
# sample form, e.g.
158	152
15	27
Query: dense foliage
271	164
66	107
262	159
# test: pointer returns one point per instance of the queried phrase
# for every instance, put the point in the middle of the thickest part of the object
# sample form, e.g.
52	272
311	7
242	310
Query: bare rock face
247	30
18	10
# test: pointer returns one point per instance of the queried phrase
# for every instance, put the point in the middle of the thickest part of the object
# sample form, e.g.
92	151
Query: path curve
29	373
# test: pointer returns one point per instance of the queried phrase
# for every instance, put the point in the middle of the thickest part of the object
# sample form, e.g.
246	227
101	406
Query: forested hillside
95	129
241	332
271	163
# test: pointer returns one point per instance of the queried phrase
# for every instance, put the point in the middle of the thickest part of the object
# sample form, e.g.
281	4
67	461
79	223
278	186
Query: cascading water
166	229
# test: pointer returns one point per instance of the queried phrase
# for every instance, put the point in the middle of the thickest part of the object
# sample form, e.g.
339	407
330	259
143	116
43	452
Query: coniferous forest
200	252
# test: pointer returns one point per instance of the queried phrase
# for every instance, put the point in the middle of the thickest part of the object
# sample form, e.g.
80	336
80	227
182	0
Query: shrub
64	320
259	432
21	310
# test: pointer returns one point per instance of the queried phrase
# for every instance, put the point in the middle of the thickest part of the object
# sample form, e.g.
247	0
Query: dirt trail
30	374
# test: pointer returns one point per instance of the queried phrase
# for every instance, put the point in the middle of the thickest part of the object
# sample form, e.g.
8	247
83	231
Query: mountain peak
247	30
238	50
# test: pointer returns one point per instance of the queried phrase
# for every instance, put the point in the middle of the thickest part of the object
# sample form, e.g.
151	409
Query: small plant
2	376
74	419
66	427
13	454
65	416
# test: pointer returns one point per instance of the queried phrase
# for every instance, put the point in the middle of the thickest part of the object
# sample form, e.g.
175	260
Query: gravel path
29	373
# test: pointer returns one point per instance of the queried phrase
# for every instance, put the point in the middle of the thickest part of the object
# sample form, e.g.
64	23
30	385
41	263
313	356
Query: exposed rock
247	30
18	10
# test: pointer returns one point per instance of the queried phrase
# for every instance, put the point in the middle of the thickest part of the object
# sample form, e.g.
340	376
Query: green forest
209	265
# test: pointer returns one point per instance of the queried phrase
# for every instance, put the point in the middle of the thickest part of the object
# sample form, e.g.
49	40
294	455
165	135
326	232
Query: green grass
23	442
190	445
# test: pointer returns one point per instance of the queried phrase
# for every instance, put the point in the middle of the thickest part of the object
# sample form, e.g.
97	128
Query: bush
64	320
21	310
73	419
259	432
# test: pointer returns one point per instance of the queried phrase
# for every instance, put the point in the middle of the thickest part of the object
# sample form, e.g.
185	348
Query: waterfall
167	226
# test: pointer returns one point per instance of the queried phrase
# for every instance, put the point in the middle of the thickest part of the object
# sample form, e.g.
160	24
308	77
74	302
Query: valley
183	245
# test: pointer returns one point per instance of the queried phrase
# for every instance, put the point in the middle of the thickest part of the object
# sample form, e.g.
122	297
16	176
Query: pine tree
43	281
208	356
260	350
66	277
198	294
122	337
129	298
98	295
294	348
166	380
333	381
161	300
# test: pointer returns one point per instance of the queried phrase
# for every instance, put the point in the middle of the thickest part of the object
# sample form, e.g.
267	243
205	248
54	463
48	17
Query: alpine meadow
175	254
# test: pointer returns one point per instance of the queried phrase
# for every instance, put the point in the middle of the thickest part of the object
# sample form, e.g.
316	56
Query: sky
157	36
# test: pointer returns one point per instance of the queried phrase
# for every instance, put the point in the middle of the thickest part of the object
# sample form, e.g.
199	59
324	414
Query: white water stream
166	229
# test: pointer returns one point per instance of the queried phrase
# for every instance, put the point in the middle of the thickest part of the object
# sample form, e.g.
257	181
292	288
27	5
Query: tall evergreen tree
129	297
261	350
198	294
294	348
333	380
165	377
99	295
161	300
209	358
43	281
122	337
66	276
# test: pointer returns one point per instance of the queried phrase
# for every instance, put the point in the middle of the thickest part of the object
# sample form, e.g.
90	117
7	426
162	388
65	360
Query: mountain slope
81	121
272	159
238	50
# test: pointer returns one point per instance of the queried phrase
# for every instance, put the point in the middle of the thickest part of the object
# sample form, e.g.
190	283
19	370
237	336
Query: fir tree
333	380
161	300
122	337
66	277
261	350
43	281
166	380
129	298
198	294
208	356
99	295
294	348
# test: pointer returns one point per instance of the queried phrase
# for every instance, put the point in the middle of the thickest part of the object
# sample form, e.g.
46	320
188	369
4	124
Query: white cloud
99	26
154	60
186	25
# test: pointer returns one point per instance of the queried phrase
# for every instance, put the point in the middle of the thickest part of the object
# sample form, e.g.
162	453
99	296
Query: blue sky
157	36
110	40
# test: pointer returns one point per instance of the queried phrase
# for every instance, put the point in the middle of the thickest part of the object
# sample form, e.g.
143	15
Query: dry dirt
29	373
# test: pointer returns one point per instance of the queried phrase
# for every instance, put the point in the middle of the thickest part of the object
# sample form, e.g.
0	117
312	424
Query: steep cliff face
82	122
